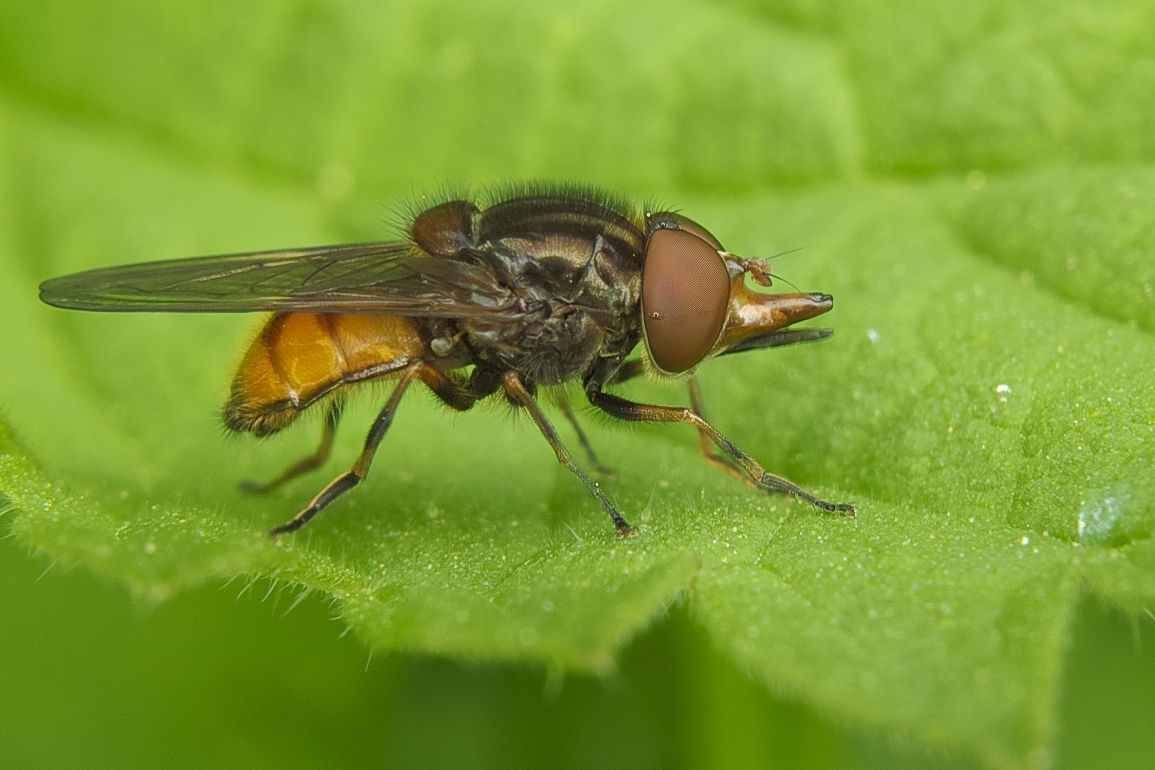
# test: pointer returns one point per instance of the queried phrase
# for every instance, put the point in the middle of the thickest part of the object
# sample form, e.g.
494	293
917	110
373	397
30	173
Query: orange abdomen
300	357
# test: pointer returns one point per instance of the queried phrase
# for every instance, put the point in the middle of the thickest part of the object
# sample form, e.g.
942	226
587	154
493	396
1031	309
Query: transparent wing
384	277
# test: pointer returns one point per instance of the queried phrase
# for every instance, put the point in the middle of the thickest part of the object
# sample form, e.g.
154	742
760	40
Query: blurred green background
223	677
333	108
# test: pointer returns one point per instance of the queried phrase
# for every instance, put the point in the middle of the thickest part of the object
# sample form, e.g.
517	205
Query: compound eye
685	298
672	221
690	226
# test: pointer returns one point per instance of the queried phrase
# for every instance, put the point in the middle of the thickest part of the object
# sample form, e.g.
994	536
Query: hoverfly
532	288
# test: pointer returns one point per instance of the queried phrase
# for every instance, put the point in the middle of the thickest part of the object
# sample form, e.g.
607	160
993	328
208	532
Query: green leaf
974	185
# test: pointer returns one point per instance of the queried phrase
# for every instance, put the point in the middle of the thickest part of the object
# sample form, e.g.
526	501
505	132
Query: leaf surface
975	187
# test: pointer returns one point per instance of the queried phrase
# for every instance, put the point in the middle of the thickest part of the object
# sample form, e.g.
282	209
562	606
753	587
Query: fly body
535	287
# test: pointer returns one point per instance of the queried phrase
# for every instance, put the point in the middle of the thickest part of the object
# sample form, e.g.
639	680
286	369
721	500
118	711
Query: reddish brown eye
690	226
670	220
685	296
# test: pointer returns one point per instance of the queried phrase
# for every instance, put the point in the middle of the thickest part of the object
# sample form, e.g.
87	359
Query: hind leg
360	469
456	395
305	464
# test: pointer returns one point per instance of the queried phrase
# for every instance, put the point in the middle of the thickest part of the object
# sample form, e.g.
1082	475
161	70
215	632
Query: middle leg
567	410
520	395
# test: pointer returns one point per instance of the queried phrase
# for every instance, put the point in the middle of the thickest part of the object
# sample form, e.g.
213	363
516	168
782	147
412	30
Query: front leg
624	409
704	443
